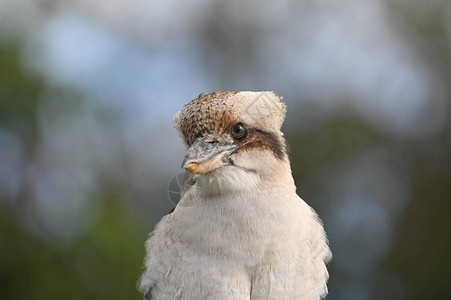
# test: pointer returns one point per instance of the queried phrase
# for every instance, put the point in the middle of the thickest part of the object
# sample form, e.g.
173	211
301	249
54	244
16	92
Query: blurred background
87	149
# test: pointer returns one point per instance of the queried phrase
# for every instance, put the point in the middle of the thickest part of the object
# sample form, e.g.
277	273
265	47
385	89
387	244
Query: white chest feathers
259	243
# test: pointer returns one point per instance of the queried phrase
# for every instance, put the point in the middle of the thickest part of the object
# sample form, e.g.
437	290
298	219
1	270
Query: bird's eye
238	131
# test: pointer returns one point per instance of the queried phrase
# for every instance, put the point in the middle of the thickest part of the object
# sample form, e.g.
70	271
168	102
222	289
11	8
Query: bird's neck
236	181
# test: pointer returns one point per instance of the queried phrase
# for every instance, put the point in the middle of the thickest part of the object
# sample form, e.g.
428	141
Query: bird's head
235	133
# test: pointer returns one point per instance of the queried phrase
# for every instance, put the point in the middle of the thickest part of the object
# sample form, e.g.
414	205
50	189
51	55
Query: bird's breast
244	227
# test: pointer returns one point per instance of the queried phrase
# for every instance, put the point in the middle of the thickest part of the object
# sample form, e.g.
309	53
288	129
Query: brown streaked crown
261	112
206	114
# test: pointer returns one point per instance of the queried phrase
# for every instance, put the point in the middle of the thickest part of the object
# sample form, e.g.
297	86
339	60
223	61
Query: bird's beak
204	157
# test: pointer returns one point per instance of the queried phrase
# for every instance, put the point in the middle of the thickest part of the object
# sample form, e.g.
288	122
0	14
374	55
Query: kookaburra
240	231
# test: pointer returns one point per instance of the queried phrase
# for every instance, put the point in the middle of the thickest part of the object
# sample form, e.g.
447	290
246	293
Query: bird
239	231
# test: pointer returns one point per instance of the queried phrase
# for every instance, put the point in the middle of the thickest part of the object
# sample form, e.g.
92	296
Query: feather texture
241	231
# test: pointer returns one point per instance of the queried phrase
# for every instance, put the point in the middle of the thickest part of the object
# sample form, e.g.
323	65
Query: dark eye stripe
258	139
